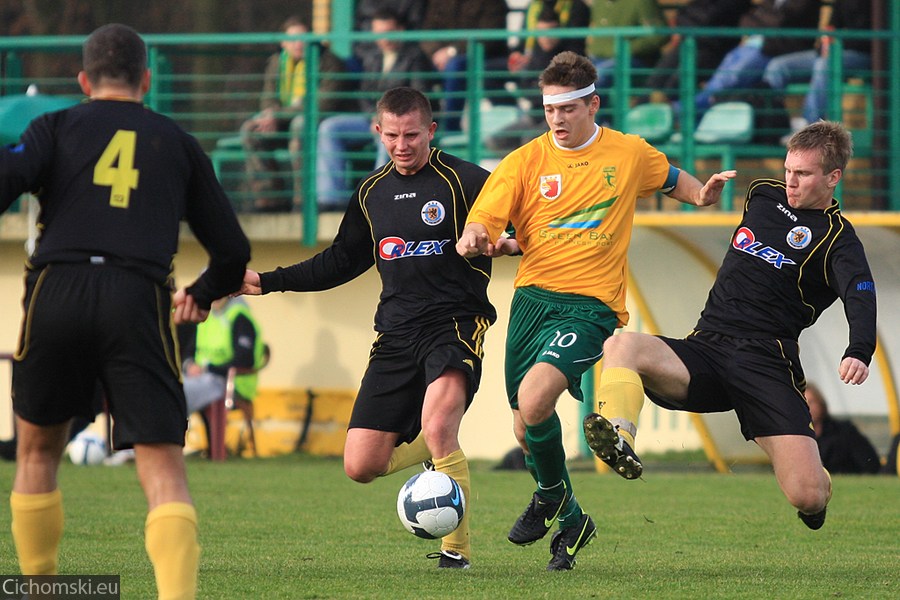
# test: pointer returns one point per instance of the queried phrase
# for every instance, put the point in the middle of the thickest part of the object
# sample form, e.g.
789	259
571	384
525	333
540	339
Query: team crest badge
433	213
799	237
609	176
551	186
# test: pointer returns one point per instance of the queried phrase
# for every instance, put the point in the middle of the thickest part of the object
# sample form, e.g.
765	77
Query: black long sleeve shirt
407	226
785	267
114	179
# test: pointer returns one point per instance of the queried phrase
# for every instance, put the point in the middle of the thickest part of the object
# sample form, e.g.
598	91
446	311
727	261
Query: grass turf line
295	527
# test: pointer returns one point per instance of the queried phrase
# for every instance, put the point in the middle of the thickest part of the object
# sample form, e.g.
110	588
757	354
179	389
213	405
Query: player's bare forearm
473	241
690	191
853	371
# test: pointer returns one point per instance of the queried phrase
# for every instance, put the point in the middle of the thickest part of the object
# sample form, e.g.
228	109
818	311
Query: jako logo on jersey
799	237
390	248
745	241
586	218
433	213
551	186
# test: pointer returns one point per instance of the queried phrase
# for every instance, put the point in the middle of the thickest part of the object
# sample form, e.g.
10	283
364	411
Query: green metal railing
210	83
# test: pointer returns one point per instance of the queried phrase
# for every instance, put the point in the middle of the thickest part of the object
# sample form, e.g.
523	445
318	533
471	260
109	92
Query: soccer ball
431	505
87	448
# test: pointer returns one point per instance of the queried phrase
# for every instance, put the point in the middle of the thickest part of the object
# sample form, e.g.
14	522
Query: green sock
571	514
529	464
549	457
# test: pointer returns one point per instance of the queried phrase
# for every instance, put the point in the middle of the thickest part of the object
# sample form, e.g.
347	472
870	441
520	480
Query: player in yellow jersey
570	195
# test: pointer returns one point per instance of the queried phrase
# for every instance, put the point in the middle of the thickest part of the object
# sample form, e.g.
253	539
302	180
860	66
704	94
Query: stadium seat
726	123
493	119
652	121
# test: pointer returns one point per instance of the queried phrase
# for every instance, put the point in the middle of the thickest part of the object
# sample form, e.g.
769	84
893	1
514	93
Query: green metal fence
211	83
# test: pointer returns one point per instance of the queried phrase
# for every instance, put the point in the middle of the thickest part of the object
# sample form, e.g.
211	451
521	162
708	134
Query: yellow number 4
116	168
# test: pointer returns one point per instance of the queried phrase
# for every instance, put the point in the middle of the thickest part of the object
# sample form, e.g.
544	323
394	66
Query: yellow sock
37	526
830	486
457	466
406	455
621	397
171	541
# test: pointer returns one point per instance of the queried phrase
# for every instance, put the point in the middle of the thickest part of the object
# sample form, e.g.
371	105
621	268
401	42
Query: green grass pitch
295	527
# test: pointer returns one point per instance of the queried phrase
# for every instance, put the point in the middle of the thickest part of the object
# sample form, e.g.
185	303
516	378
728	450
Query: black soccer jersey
784	267
407	226
122	179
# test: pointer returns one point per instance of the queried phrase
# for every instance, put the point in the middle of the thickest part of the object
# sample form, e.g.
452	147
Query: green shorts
564	330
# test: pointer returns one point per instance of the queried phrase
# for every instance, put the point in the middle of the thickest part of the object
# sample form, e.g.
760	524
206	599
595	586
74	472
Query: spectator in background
532	56
812	65
843	448
281	115
664	80
744	65
841	445
449	57
645	50
229	337
410	12
533	52
390	64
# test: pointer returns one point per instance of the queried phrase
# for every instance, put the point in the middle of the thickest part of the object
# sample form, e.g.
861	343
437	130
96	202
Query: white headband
567	96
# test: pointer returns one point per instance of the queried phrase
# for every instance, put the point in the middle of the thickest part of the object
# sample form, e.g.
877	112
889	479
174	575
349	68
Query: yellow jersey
572	210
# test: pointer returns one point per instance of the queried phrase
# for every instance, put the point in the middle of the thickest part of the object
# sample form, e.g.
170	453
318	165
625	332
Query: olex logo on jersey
390	248
745	241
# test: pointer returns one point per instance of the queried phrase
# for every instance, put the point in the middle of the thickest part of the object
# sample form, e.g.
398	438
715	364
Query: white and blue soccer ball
87	448
431	505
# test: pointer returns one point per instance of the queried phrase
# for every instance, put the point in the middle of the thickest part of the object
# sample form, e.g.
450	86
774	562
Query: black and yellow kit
114	181
783	268
433	309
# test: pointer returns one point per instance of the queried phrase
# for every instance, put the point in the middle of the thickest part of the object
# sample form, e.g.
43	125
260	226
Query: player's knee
620	344
809	499
362	471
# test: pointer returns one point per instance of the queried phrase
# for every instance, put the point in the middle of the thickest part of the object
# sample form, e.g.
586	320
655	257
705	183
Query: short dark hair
548	14
402	101
385	13
115	52
830	139
569	69
294	21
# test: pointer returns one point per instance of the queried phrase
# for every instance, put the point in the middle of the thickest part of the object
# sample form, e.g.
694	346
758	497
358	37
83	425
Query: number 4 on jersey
116	168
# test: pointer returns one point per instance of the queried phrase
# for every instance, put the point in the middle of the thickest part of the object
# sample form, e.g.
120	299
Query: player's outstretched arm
473	241
251	285
185	309
690	191
853	371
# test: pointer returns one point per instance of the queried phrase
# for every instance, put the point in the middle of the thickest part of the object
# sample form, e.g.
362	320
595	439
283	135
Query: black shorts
392	391
86	323
760	379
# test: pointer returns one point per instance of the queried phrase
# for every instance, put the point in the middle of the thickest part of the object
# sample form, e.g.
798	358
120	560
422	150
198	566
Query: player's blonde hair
830	139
